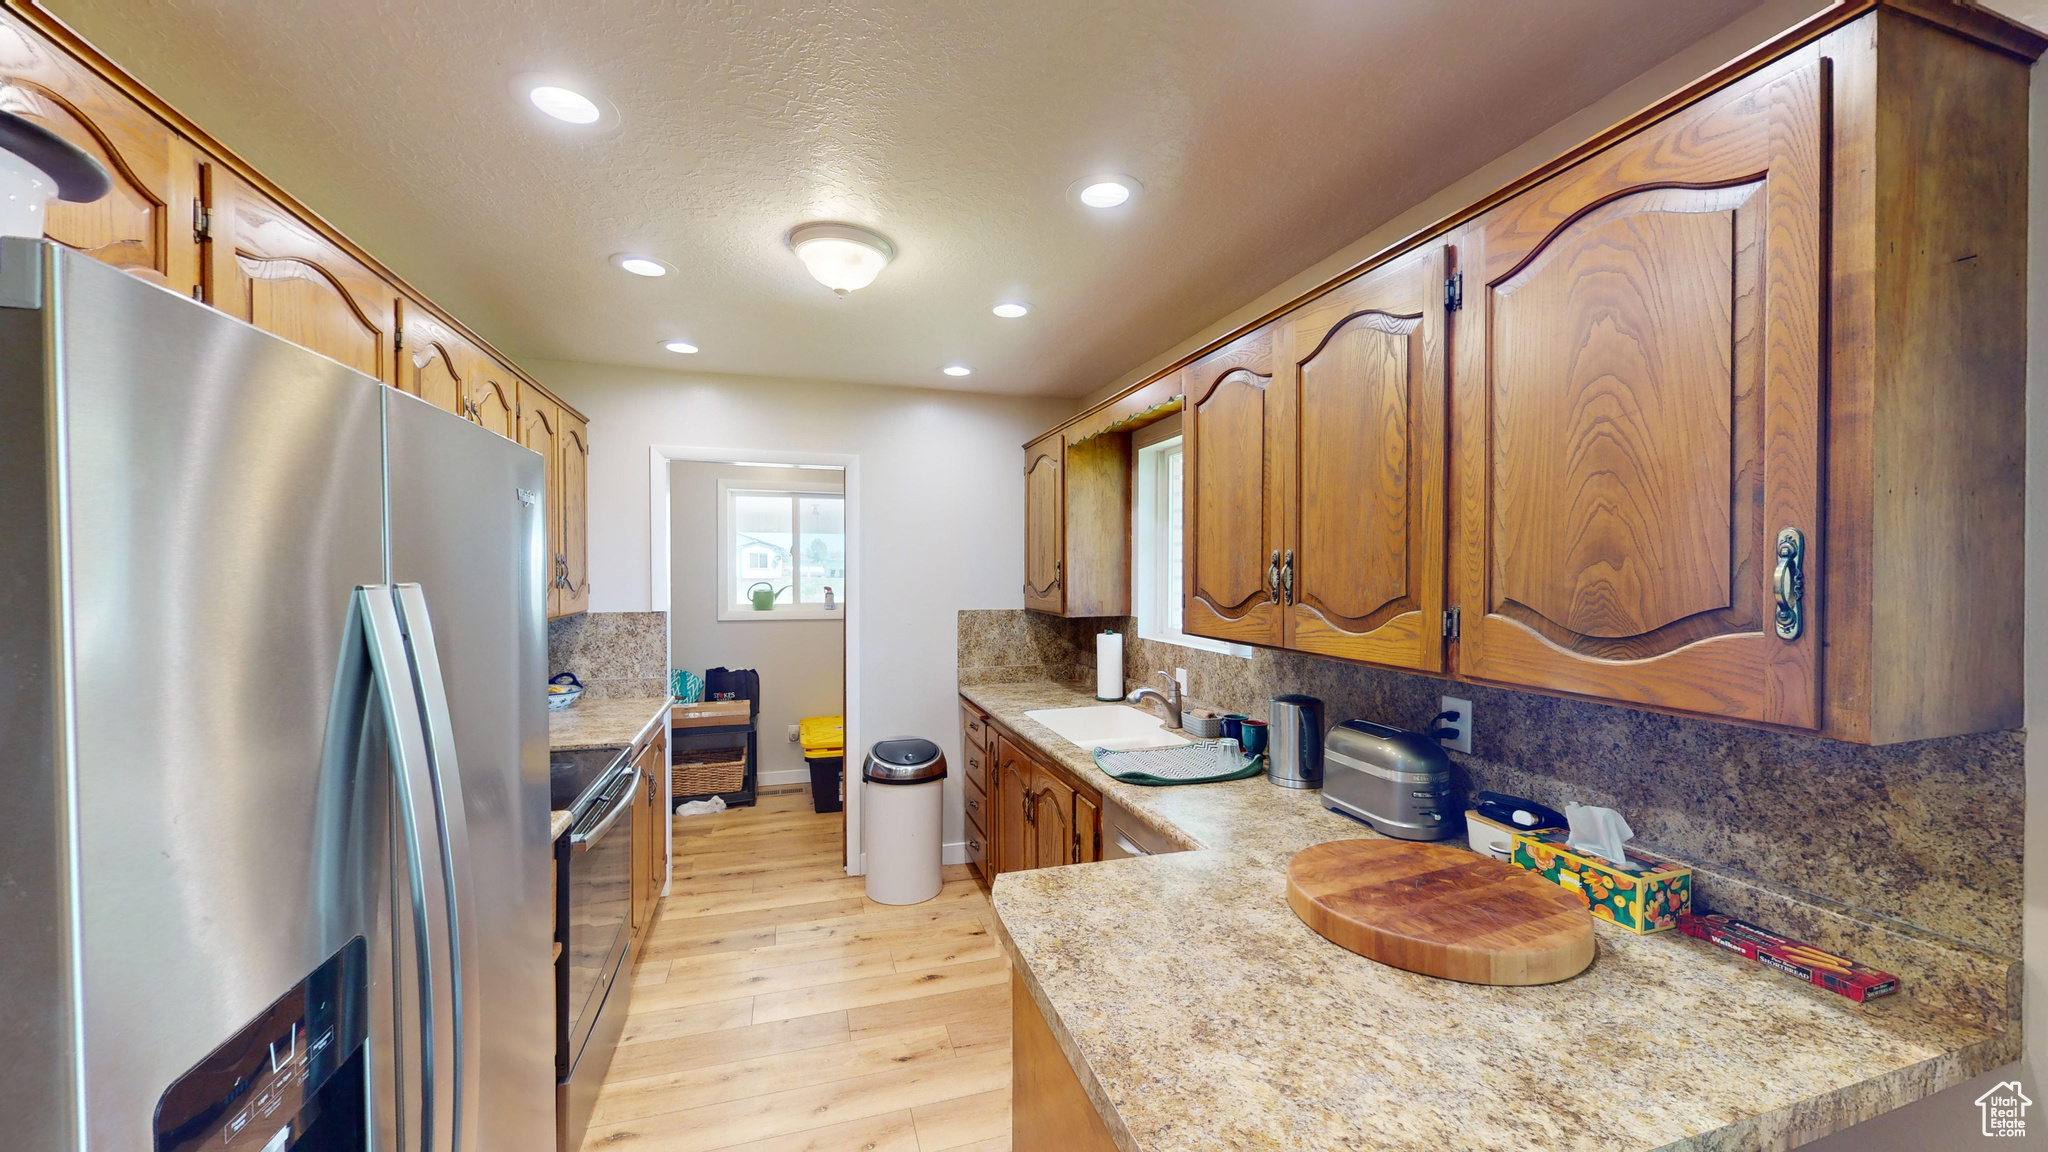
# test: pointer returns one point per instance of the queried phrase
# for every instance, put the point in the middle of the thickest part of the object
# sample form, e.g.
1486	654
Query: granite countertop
1200	1013
602	723
558	823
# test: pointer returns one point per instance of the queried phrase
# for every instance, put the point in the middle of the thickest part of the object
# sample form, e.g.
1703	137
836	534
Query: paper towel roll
1109	666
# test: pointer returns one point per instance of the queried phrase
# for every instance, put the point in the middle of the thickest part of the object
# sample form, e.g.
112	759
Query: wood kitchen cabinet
650	842
267	266
1315	454
1735	385
494	396
145	224
1042	815
1231	526
573	561
434	362
1077	525
540	428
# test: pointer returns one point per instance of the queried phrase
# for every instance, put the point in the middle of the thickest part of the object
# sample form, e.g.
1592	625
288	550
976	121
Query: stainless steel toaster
1398	781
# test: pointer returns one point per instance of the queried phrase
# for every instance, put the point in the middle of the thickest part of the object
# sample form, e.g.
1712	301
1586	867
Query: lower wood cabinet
1023	811
1048	1106
650	840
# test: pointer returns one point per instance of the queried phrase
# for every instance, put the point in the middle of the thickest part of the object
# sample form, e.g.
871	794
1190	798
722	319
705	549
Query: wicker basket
707	771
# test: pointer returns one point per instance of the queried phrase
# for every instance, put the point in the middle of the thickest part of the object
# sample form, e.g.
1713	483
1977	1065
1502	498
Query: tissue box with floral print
1647	896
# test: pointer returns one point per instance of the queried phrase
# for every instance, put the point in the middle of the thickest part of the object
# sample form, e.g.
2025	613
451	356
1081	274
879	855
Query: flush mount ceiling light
1011	309
640	265
680	347
1108	190
565	102
957	370
842	257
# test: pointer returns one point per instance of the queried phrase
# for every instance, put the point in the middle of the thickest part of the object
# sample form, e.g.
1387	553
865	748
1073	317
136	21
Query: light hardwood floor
777	1009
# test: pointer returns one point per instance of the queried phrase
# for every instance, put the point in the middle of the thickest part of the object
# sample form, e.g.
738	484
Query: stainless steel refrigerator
272	648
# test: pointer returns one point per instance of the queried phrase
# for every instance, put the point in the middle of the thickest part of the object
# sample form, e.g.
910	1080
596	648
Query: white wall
940	507
801	662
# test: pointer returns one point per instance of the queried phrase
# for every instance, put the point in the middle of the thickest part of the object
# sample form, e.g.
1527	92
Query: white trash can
904	778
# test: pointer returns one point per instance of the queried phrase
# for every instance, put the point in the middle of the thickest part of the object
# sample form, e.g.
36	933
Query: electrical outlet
1462	741
792	733
1180	677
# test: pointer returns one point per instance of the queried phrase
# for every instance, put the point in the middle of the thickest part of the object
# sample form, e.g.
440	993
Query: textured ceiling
1267	135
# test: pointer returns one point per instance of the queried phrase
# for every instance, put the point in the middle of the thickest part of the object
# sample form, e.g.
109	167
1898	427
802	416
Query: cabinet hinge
1454	292
1451	623
398	339
202	222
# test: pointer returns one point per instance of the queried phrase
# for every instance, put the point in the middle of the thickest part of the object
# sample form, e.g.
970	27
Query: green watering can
763	594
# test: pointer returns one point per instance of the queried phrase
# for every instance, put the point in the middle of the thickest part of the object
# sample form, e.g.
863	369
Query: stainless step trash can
904	778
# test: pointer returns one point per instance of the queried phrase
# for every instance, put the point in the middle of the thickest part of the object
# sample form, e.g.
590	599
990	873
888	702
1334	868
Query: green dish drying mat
1202	762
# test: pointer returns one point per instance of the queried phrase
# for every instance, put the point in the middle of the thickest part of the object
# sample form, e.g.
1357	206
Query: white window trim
1148	529
732	613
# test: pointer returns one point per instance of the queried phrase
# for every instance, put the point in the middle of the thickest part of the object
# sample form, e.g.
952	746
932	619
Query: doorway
756	564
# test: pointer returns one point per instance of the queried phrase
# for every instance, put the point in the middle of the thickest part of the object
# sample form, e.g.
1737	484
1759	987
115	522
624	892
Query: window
785	541
1156	542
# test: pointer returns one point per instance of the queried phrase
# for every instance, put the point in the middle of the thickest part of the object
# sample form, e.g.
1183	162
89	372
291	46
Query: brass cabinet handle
1789	582
1287	578
973	845
1273	578
973	803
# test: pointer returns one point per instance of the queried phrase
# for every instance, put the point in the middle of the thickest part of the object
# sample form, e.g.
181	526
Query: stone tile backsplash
1928	833
617	655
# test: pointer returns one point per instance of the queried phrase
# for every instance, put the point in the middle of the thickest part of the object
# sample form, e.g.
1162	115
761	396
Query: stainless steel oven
599	896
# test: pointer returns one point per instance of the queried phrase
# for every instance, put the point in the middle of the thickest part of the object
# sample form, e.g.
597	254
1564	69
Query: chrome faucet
1165	705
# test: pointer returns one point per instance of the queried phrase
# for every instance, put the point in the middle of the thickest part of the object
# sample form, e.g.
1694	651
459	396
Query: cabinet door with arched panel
540	428
145	222
434	362
1638	398
268	267
1045	524
1363	463
494	397
1234	552
575	503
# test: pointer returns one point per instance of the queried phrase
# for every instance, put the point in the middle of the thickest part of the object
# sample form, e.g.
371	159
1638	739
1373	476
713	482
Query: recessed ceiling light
957	370
1105	191
683	347
566	101
842	257
1010	309
564	104
640	265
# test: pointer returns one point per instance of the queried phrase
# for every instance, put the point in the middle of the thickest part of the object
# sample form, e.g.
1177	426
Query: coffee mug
1233	723
1253	736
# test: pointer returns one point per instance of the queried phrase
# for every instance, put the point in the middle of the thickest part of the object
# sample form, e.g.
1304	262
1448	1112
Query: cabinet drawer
973	730
977	852
977	769
975	801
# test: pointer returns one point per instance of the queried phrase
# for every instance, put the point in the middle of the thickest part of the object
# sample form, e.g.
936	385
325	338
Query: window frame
728	557
1153	596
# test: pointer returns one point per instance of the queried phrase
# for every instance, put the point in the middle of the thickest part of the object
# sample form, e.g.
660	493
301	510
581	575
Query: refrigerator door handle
399	696
466	1084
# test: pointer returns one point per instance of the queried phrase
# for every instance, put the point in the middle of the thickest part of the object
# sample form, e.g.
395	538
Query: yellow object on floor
822	735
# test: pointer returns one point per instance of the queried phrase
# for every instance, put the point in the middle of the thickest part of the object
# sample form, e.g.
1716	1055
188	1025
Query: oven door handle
584	840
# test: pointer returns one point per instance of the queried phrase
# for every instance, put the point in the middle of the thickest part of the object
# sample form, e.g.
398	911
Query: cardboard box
1795	958
1647	896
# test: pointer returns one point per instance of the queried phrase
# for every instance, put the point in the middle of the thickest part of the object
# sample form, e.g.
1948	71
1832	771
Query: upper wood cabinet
1359	471
267	266
145	223
1232	531
573	473
434	362
1077	524
1721	414
494	397
540	428
1045	525
1639	383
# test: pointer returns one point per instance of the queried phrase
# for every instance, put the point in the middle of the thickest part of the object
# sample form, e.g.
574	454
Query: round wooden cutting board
1441	911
